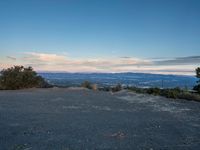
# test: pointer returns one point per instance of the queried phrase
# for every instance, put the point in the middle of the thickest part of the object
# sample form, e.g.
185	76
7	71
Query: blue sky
129	32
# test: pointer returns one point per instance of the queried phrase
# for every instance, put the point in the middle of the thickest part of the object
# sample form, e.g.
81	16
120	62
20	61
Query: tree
19	77
197	87
198	72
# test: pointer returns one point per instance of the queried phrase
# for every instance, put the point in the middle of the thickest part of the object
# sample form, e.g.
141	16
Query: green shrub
105	88
136	89
154	91
19	77
171	93
189	96
197	87
117	88
86	84
177	89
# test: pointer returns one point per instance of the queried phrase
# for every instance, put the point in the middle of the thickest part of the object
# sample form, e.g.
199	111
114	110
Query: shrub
136	89
104	88
94	87
154	91
197	87
189	96
171	93
19	77
86	84
117	88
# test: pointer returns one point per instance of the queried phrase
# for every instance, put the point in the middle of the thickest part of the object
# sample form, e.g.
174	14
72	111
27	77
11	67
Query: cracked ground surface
80	119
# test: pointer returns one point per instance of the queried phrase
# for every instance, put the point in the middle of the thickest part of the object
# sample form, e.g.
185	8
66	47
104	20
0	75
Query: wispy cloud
4	65
11	58
56	62
42	57
190	60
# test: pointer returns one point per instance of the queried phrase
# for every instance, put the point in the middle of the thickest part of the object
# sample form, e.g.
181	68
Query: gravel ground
80	119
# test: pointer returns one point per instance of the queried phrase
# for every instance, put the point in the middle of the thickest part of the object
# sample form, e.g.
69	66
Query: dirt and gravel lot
80	119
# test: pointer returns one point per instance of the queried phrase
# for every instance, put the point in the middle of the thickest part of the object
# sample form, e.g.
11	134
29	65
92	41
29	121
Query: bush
19	77
171	93
154	91
136	89
117	88
104	88
189	96
197	87
95	87
86	84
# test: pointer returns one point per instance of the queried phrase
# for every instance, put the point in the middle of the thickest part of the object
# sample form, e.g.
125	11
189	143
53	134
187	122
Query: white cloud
44	57
11	58
55	62
3	65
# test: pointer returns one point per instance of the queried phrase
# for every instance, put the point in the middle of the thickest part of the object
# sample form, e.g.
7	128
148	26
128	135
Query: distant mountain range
131	79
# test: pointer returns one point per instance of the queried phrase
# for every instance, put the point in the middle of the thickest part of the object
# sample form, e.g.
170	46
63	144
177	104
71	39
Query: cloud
55	62
64	63
43	57
11	58
3	65
179	61
60	59
125	57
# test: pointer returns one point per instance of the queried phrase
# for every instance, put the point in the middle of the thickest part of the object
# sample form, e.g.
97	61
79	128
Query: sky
150	36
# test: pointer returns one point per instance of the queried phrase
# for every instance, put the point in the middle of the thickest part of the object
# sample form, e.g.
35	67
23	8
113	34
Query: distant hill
133	79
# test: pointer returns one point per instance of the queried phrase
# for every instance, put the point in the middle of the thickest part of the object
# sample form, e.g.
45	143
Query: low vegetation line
19	77
174	93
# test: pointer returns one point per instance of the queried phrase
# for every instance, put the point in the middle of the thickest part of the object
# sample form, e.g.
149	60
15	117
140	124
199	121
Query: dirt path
78	119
